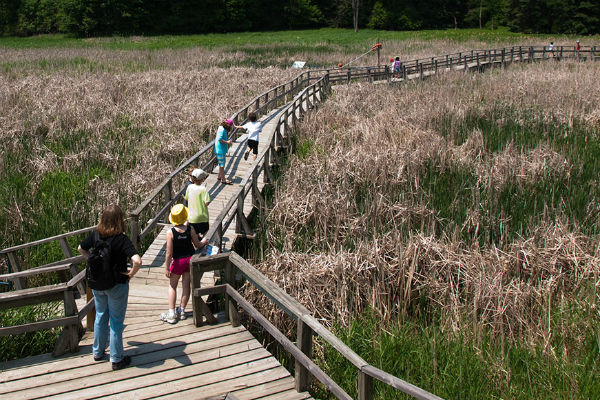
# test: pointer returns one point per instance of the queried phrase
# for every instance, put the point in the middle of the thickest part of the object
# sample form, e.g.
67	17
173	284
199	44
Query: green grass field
290	41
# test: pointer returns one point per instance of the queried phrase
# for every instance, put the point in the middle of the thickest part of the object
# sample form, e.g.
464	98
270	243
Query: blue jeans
111	305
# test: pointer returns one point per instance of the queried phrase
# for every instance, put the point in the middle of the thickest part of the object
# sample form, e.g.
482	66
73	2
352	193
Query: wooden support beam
365	386
304	342
15	264
68	341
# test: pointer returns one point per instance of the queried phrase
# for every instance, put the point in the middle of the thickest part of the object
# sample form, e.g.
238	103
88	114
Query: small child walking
222	143
253	128
397	65
181	243
198	199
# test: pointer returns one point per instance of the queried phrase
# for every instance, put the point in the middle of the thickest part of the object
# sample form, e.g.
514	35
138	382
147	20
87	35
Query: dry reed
341	216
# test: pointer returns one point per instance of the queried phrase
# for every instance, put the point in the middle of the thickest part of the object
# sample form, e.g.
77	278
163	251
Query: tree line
110	17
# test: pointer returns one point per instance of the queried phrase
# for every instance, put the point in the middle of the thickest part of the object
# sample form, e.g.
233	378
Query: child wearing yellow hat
182	240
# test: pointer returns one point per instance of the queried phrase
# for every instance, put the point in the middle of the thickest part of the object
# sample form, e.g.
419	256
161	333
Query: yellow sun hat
179	214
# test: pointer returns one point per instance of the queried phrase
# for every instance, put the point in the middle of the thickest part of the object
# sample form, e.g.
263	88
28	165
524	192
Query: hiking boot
169	316
181	313
99	357
121	364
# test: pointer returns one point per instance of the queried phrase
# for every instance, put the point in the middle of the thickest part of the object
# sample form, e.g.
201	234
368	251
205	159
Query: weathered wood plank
232	379
176	378
148	363
140	343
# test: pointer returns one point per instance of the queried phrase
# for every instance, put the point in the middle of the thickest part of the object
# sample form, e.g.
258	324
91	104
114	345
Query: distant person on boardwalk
111	303
397	66
222	143
182	241
551	48
253	128
577	49
198	199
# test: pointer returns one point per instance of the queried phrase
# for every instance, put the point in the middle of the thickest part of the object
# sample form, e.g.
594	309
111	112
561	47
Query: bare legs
186	290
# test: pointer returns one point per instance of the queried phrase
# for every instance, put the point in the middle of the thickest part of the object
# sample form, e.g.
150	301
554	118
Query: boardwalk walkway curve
218	359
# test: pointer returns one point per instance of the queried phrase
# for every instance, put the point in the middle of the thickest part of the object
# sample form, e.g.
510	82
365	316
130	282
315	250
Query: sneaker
246	155
181	313
121	364
99	357
169	316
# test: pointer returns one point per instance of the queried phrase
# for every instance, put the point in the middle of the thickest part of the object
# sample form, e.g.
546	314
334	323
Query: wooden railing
467	60
156	205
234	208
232	265
72	278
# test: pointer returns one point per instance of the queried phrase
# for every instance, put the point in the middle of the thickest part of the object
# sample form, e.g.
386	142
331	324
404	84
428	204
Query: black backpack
100	271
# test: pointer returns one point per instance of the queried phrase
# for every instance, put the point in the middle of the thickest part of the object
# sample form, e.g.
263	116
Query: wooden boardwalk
168	361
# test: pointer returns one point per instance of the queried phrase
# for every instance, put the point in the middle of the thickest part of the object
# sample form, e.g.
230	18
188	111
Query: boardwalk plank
146	364
179	374
224	381
132	347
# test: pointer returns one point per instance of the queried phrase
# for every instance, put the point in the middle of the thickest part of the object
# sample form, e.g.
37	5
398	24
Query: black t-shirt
182	243
121	249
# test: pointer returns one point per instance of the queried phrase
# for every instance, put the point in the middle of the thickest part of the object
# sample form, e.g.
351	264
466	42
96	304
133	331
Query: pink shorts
180	265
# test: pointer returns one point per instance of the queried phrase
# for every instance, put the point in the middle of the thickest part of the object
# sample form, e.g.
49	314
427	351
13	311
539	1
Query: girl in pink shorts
182	241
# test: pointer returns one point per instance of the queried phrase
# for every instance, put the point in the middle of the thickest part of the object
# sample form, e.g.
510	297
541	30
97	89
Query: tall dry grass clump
414	200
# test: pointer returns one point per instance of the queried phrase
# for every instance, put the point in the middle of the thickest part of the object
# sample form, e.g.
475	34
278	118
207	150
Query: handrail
46	240
261	104
225	217
233	264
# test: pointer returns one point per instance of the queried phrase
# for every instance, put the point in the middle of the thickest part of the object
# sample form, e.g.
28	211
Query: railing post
404	73
531	54
436	66
66	250
503	54
219	237
388	75
369	77
520	53
134	230
421	71
466	65
365	386
168	190
15	264
230	304
304	343
239	214
266	167
349	75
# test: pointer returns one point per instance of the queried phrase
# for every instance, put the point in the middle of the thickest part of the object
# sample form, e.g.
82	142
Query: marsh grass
463	208
18	346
